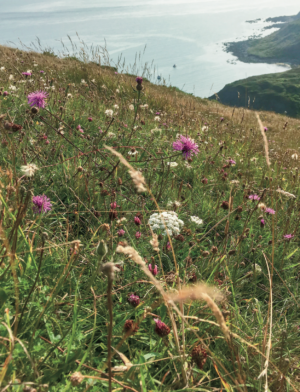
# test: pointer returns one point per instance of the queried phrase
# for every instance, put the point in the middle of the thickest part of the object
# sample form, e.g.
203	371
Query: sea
176	42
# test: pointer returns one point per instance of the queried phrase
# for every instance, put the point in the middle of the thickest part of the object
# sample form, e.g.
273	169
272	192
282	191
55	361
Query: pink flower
138	235
113	205
121	232
154	270
187	146
41	204
139	80
270	211
288	236
231	162
37	98
265	129
254	197
222	119
161	328
47	142
137	220
168	245
262	223
78	127
90	119
204	180
26	74
134	300
5	93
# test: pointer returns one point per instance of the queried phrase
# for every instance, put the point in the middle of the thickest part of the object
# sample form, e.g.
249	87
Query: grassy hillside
95	294
282	44
279	92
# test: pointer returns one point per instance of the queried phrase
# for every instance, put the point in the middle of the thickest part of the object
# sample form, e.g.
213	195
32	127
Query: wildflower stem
110	325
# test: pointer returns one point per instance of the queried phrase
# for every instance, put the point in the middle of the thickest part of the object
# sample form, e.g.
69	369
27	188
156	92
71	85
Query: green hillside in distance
279	92
281	46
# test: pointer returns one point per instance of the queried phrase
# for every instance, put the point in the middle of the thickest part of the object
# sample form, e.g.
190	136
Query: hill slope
279	92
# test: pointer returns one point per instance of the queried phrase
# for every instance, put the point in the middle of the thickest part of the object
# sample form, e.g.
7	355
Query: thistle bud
101	249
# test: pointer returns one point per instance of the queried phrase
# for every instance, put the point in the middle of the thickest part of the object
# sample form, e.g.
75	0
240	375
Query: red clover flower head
137	220
90	119
161	328
134	300
154	271
37	98
138	235
41	204
121	232
113	205
5	93
187	146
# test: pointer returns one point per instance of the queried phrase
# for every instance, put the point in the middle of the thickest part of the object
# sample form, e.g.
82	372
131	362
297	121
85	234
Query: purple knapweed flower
157	113
138	235
5	93
26	73
41	204
254	197
90	119
41	71
161	328
134	300
139	80
265	129
262	223
231	162
187	146
154	271
269	211
121	232
137	220
222	119
288	236
37	98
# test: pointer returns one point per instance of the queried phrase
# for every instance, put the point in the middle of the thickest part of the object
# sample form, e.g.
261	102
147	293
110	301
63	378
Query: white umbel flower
131	107
109	112
29	170
197	220
172	164
167	222
295	157
156	118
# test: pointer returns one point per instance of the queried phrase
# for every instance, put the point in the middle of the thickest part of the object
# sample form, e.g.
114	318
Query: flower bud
101	249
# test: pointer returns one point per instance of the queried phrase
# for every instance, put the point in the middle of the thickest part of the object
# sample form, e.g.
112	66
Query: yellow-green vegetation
94	294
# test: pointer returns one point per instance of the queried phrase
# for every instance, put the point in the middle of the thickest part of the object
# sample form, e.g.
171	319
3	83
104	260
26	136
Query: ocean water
187	33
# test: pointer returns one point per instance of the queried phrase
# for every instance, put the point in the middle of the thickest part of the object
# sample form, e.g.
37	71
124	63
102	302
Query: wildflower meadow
149	238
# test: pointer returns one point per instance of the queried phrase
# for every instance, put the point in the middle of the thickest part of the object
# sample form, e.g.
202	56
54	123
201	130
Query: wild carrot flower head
187	146
161	328
41	204
134	300
29	169
37	98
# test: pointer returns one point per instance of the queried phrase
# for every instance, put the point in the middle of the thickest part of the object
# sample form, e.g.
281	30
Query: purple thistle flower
265	129
37	98
222	119
270	211
41	204
187	146
262	223
139	80
154	271
121	232
41	71
134	300
254	197
288	236
231	162
26	73
161	328
5	93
